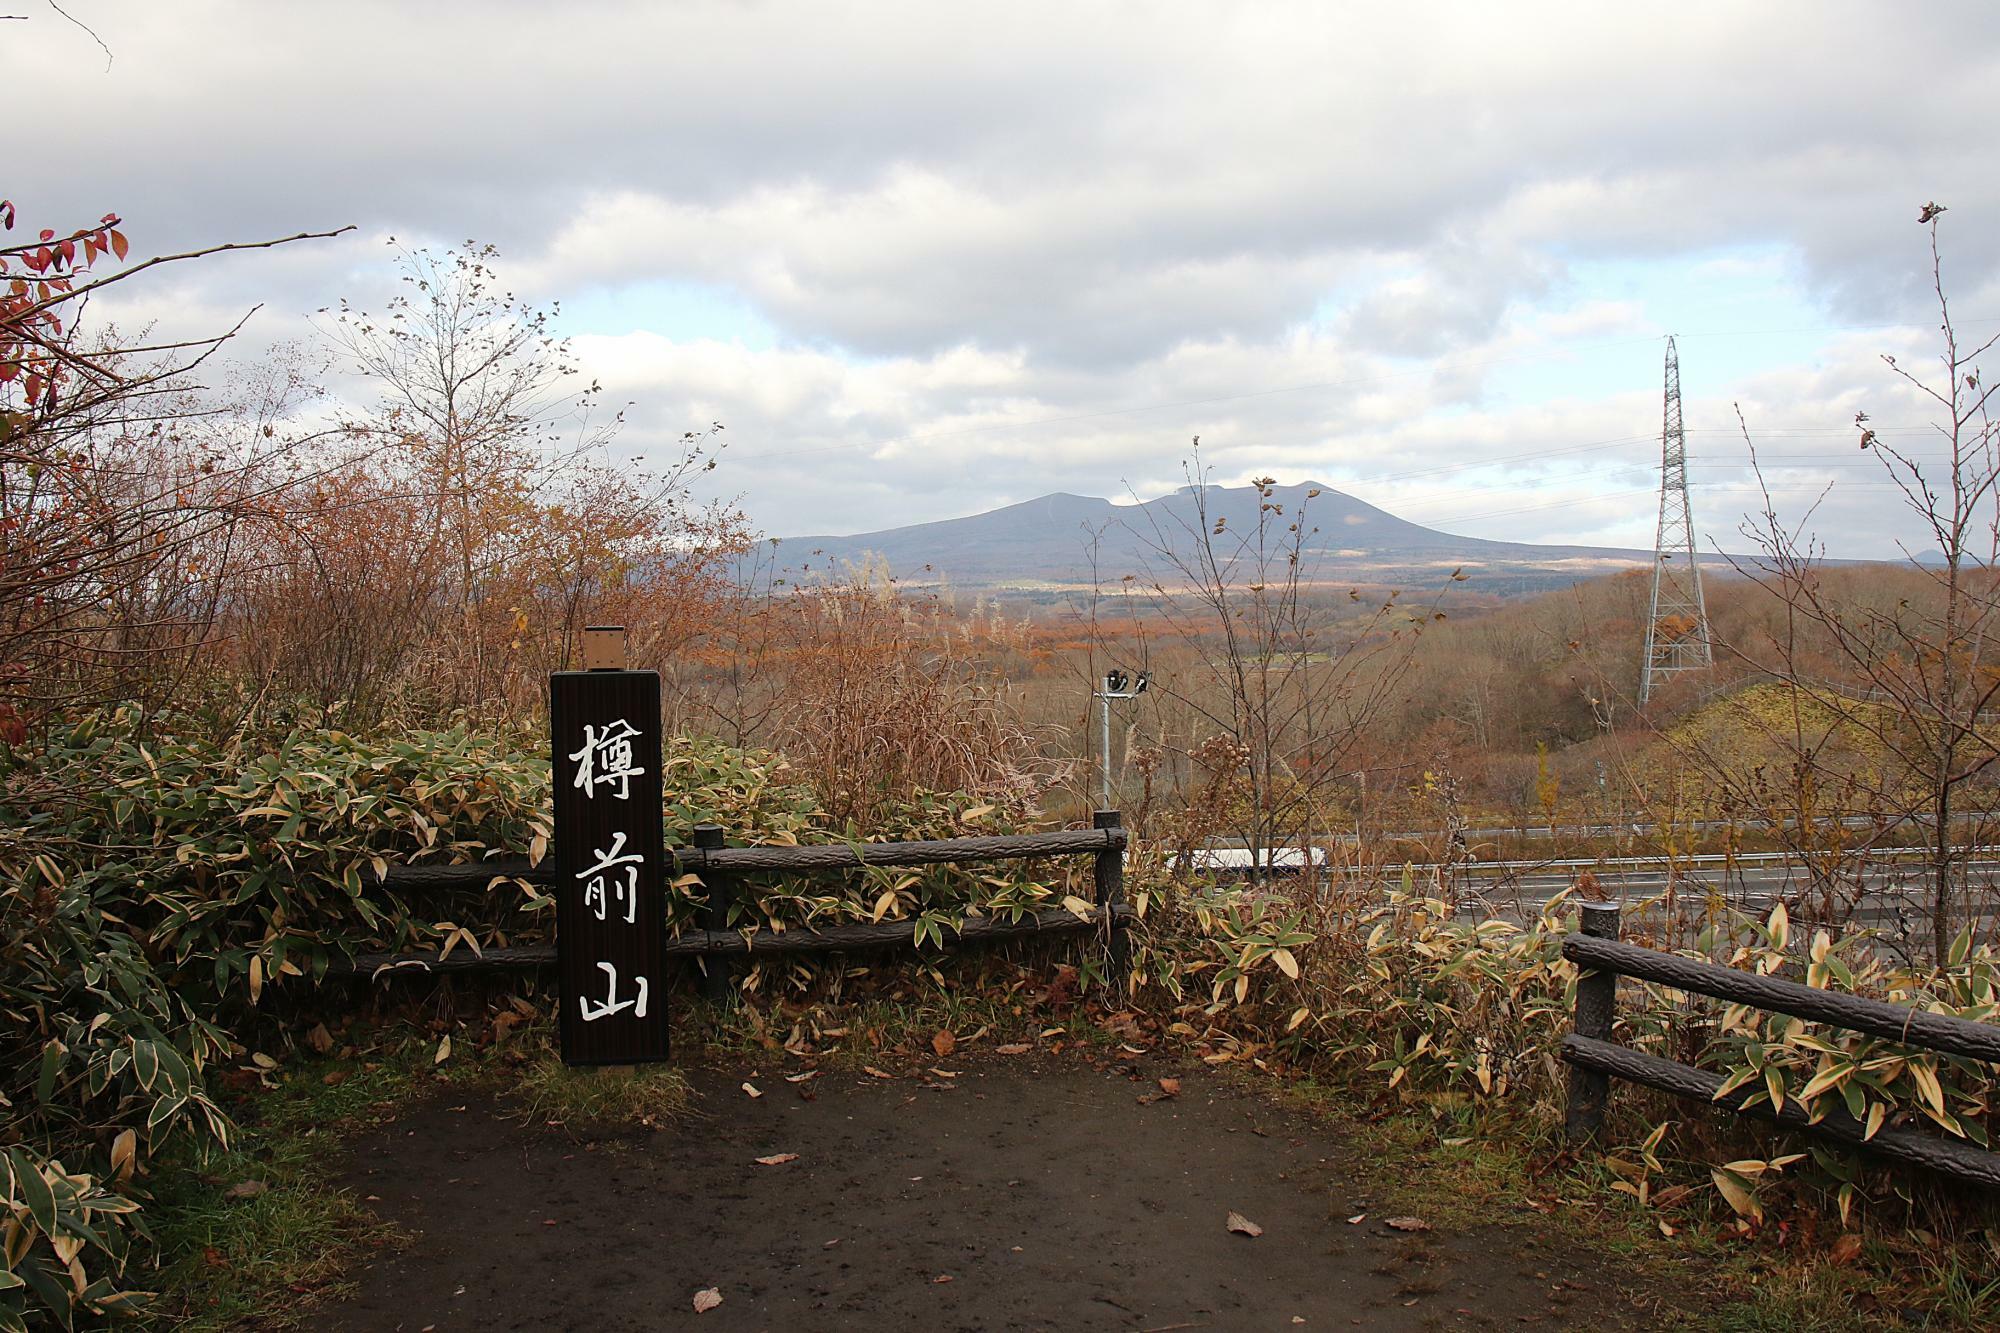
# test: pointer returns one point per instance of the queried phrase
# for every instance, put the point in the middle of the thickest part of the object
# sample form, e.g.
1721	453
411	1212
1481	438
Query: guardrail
719	866
1594	1059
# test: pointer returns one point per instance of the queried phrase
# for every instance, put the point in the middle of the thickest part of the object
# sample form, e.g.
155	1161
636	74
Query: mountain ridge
1066	540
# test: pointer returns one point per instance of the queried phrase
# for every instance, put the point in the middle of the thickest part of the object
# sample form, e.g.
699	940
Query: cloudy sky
924	259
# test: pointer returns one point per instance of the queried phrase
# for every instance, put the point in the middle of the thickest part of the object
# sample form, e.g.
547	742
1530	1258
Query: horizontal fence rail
1878	1018
1595	1059
694	859
719	866
707	943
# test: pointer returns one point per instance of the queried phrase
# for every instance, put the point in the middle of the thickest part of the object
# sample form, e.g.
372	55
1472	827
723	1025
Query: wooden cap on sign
604	648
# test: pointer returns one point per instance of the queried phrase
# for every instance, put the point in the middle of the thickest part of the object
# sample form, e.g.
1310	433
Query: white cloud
1043	245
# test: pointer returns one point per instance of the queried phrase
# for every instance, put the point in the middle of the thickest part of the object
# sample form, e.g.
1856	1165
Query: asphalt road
1886	891
1893	888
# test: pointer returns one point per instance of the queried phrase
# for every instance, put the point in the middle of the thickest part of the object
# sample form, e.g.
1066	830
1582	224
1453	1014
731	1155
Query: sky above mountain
923	260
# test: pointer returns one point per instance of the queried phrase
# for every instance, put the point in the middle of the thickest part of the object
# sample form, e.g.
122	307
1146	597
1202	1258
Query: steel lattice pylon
1677	636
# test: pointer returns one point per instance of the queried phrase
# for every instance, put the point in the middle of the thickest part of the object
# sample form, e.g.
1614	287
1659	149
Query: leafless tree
1282	669
1914	678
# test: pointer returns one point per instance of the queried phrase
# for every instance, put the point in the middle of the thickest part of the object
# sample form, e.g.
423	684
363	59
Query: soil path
1017	1197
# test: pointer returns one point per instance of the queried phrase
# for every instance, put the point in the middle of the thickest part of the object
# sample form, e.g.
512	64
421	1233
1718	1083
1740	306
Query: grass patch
259	1233
1461	1169
646	1097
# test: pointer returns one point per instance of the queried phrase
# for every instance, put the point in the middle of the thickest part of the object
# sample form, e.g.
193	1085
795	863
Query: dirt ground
1013	1196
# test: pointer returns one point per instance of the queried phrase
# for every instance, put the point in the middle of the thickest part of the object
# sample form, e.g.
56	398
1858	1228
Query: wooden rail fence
719	867
1595	1059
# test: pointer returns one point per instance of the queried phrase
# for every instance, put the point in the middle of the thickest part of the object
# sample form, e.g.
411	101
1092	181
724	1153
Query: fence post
714	915
1596	999
1108	871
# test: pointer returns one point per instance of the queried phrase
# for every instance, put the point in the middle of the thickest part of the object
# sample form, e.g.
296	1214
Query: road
1893	891
1894	886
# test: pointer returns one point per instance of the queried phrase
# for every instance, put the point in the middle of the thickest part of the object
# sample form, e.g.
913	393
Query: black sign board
611	911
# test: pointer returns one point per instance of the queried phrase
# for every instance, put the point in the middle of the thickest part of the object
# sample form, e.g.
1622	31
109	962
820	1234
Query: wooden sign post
611	910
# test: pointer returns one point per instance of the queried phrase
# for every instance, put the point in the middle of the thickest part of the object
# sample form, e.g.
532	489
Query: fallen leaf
706	1299
1170	1086
1845	1250
443	1052
245	1189
1244	1226
1014	1048
778	1159
1357	1219
1408	1224
942	1277
874	1072
753	1090
944	1043
944	1073
320	1039
801	1078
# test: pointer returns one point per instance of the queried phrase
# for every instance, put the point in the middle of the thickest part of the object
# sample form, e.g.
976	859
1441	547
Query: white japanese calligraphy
606	758
612	1004
603	883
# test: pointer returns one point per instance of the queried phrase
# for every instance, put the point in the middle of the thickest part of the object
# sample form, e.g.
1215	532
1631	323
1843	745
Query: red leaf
48	234
118	246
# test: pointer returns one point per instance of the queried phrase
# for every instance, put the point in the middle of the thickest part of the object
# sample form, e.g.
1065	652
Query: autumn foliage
252	545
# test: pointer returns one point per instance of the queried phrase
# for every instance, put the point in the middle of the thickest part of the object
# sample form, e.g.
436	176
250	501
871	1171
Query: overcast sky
921	260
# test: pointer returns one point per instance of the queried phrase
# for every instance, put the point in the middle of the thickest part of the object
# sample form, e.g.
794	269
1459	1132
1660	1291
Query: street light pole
1116	685
1104	753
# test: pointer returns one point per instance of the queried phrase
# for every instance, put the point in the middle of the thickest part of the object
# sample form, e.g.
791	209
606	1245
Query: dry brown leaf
1244	1226
944	1043
1408	1224
1170	1086
778	1159
320	1039
942	1277
443	1052
1014	1048
802	1078
245	1189
872	1071
752	1090
1845	1250
1357	1219
706	1299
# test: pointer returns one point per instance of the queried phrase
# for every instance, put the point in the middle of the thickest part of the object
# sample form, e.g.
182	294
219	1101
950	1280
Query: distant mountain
1051	543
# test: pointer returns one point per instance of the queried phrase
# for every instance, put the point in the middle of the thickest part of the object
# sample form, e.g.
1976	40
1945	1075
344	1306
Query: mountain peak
1062	540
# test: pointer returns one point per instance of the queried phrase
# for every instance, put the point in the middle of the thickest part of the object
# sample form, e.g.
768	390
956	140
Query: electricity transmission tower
1677	629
